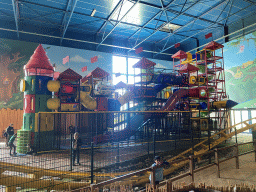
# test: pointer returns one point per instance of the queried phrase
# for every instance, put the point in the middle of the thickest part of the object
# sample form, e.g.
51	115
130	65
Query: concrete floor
229	175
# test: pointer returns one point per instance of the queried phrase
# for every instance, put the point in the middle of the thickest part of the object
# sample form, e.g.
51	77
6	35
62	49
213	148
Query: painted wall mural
15	54
239	59
240	70
79	60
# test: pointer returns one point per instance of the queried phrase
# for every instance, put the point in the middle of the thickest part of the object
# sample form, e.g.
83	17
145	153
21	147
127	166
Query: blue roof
123	24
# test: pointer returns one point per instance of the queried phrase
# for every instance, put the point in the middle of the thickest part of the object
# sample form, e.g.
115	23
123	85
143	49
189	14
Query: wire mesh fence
103	155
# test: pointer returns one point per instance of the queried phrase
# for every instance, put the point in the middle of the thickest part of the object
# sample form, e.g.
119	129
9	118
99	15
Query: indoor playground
100	92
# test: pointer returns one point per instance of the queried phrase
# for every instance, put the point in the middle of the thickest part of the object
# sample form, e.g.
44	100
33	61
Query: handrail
216	134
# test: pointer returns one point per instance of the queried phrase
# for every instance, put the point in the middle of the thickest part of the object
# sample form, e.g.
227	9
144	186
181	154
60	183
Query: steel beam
167	18
229	12
202	30
15	7
248	1
173	11
119	5
117	24
159	28
193	21
64	23
96	17
226	34
41	16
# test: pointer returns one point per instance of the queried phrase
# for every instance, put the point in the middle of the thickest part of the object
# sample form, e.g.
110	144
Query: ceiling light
93	12
169	27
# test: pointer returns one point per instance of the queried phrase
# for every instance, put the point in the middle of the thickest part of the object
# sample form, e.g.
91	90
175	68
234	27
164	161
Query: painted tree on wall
241	78
13	56
245	38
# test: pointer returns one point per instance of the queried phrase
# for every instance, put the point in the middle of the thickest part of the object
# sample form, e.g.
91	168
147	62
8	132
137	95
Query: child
11	144
76	148
159	172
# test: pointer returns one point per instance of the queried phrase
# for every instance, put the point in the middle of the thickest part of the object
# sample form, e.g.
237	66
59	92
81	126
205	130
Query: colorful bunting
94	59
118	74
84	69
208	35
65	60
177	45
139	50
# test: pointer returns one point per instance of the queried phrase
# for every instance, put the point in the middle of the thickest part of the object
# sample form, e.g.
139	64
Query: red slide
171	102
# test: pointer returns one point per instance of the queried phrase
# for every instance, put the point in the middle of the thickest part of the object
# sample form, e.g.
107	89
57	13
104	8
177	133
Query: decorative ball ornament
53	86
166	94
192	80
202	93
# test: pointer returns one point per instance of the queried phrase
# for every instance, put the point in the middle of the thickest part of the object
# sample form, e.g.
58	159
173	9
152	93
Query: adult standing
76	148
10	132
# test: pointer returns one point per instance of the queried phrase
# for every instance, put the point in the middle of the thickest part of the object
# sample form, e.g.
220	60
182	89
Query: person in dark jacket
76	148
11	144
10	133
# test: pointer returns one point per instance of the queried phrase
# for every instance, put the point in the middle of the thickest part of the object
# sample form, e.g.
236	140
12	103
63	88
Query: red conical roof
70	75
144	63
188	68
213	45
39	60
180	55
98	73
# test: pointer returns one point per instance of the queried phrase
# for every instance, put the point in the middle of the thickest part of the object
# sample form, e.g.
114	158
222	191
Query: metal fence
108	149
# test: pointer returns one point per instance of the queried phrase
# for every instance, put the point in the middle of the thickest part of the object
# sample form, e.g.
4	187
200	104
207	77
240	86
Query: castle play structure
196	84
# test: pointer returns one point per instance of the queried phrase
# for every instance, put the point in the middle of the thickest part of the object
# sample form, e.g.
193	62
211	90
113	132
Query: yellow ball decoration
166	94
53	86
53	103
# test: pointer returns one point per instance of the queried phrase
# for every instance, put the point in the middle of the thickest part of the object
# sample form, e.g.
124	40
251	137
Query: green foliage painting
13	56
240	64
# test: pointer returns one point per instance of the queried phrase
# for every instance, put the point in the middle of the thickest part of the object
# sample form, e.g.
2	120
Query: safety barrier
167	185
35	175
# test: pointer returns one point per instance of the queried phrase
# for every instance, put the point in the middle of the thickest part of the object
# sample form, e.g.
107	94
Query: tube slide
135	124
128	96
171	102
138	120
87	101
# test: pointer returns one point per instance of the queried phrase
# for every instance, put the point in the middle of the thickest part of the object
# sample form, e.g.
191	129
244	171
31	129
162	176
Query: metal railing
167	184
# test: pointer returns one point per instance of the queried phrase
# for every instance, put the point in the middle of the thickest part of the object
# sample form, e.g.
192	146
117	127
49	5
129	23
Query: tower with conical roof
38	72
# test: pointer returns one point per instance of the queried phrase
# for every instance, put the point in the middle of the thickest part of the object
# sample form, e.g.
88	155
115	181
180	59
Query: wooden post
217	162
169	186
153	178
236	155
92	187
191	168
11	189
254	144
